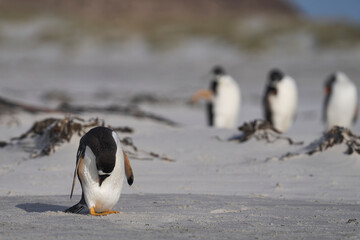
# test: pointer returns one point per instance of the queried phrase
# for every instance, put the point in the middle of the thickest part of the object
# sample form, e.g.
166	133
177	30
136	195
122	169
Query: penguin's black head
330	80
329	84
218	70
105	160
275	75
103	145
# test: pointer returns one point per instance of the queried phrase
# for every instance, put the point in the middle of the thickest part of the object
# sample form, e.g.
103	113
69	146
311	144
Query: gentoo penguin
100	166
223	99
280	100
341	101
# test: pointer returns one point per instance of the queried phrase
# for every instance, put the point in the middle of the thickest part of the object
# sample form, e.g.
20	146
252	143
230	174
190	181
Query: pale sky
340	9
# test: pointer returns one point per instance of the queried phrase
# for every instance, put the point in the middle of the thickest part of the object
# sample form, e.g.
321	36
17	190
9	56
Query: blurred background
161	51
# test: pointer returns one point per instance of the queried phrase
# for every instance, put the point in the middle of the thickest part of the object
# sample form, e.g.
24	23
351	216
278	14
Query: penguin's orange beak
327	90
201	94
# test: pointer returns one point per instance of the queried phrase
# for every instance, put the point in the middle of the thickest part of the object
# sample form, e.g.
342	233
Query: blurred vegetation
247	32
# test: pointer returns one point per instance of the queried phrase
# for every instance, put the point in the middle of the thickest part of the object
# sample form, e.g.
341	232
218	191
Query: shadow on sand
41	207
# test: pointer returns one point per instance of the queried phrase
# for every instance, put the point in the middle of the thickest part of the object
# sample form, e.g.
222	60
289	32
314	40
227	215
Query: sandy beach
214	189
180	216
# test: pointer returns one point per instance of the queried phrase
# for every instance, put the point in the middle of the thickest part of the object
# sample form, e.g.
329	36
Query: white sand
250	197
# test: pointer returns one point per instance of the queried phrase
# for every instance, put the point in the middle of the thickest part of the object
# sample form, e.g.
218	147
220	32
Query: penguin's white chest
284	104
104	197
227	103
342	105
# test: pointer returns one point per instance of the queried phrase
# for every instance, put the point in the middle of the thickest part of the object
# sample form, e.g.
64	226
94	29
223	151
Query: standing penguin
280	100
223	99
100	166
341	101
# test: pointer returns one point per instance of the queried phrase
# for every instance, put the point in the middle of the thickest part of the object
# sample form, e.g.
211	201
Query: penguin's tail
77	208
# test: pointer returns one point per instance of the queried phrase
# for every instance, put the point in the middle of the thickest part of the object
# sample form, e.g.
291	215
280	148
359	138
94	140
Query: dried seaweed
50	133
141	154
161	157
8	106
335	136
132	111
46	135
148	98
261	130
353	220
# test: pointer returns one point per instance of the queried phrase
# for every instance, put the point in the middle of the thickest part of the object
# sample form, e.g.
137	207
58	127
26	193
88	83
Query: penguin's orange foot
92	212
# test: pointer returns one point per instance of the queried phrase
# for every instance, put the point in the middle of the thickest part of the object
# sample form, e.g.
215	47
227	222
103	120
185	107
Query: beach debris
45	135
131	110
127	141
56	96
261	130
353	220
335	136
136	153
150	98
8	106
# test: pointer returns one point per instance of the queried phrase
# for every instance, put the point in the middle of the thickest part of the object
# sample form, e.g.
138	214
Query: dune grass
247	33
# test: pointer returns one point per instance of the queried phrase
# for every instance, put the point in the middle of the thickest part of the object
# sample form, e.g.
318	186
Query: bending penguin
223	99
341	101
100	166
280	100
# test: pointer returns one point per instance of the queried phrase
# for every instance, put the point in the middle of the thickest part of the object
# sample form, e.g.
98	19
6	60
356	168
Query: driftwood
335	136
7	106
50	133
261	130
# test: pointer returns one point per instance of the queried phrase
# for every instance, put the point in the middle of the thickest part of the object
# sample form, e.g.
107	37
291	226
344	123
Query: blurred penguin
341	101
223	99
280	100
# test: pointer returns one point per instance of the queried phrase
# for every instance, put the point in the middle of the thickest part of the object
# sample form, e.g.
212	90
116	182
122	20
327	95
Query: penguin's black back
101	142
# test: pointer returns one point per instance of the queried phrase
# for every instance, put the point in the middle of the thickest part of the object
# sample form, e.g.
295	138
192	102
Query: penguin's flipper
128	171
327	91
77	208
356	113
210	113
267	105
79	161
